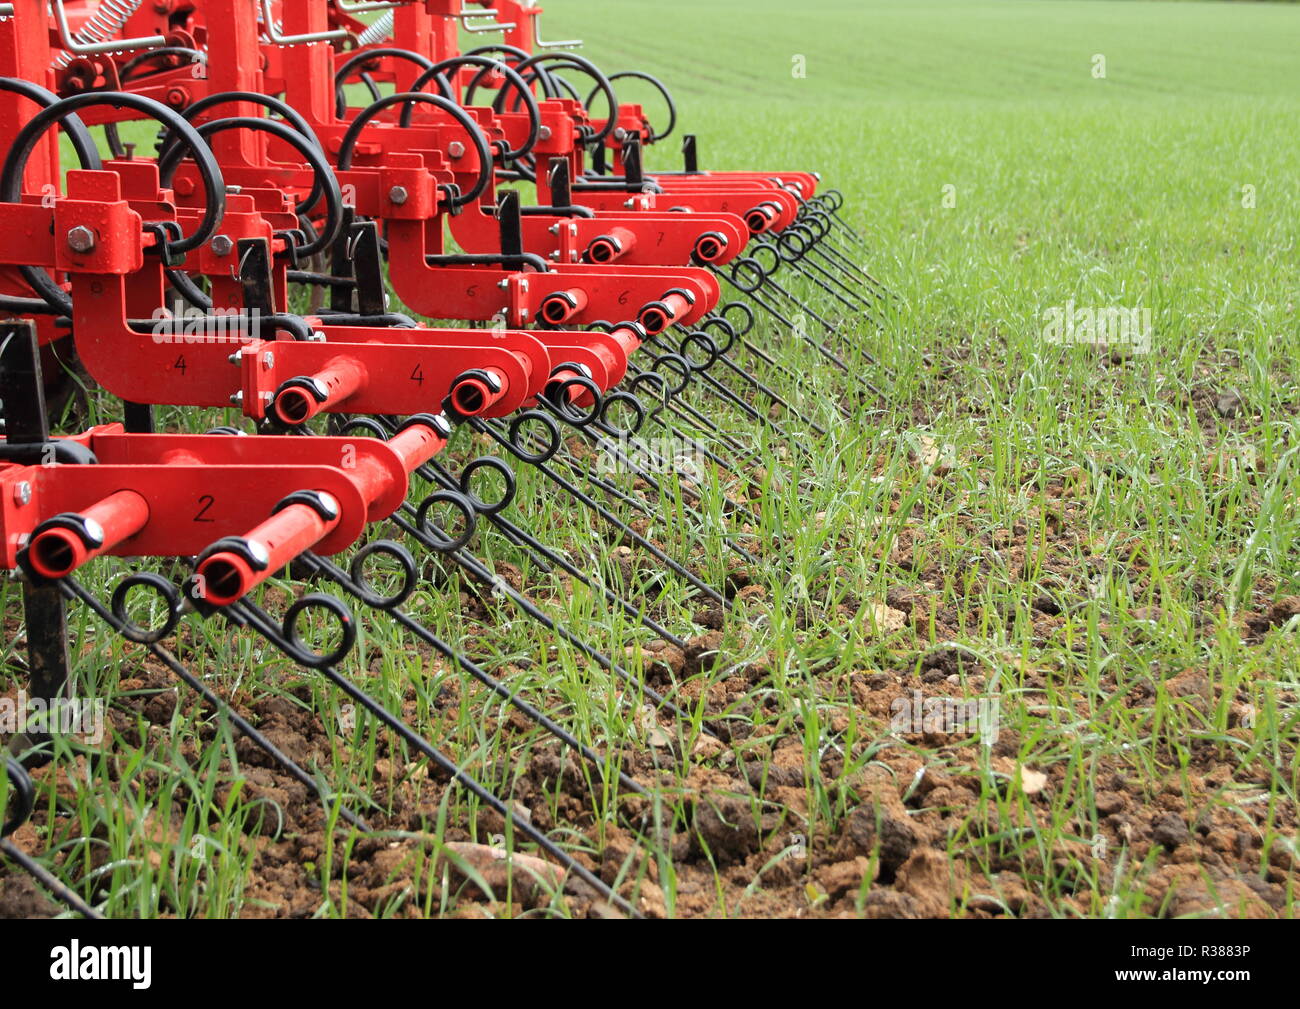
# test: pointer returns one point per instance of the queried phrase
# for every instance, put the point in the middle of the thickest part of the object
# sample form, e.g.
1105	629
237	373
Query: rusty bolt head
222	245
455	150
81	239
398	195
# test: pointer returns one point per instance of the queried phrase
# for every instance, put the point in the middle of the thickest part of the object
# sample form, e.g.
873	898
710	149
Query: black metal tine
345	581
249	613
75	590
48	880
735	506
690	414
650	481
816	345
797	380
854	305
538	549
846	229
828	282
720	390
825	206
22	800
474	566
716	385
831	329
649	478
654	484
803	307
609	517
695	444
829	239
851	269
877	298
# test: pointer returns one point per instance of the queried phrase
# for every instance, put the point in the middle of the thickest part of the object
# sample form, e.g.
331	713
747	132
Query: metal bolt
620	134
544	133
554	229
237	356
222	245
503	284
22	493
238	398
398	195
268	361
455	150
81	239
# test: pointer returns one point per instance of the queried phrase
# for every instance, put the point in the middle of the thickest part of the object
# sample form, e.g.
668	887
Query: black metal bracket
22	391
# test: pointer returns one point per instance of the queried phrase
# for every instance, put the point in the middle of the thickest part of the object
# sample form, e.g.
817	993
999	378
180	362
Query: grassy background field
1097	544
1157	492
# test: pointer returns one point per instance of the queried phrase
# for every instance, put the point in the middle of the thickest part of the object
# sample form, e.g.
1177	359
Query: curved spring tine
345	581
721	389
24	788
843	263
861	303
853	302
649	478
75	590
475	567
471	564
249	614
657	487
776	314
48	880
546	557
781	369
838	332
609	517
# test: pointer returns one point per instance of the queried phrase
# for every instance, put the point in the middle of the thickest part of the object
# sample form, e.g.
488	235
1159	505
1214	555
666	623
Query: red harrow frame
173	281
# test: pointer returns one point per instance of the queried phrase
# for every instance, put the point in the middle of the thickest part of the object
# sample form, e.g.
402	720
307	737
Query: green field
1096	546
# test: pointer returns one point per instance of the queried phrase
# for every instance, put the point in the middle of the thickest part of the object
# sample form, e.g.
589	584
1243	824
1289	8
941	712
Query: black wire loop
161	587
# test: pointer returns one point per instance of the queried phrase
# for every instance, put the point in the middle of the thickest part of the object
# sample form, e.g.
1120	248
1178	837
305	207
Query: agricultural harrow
317	166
